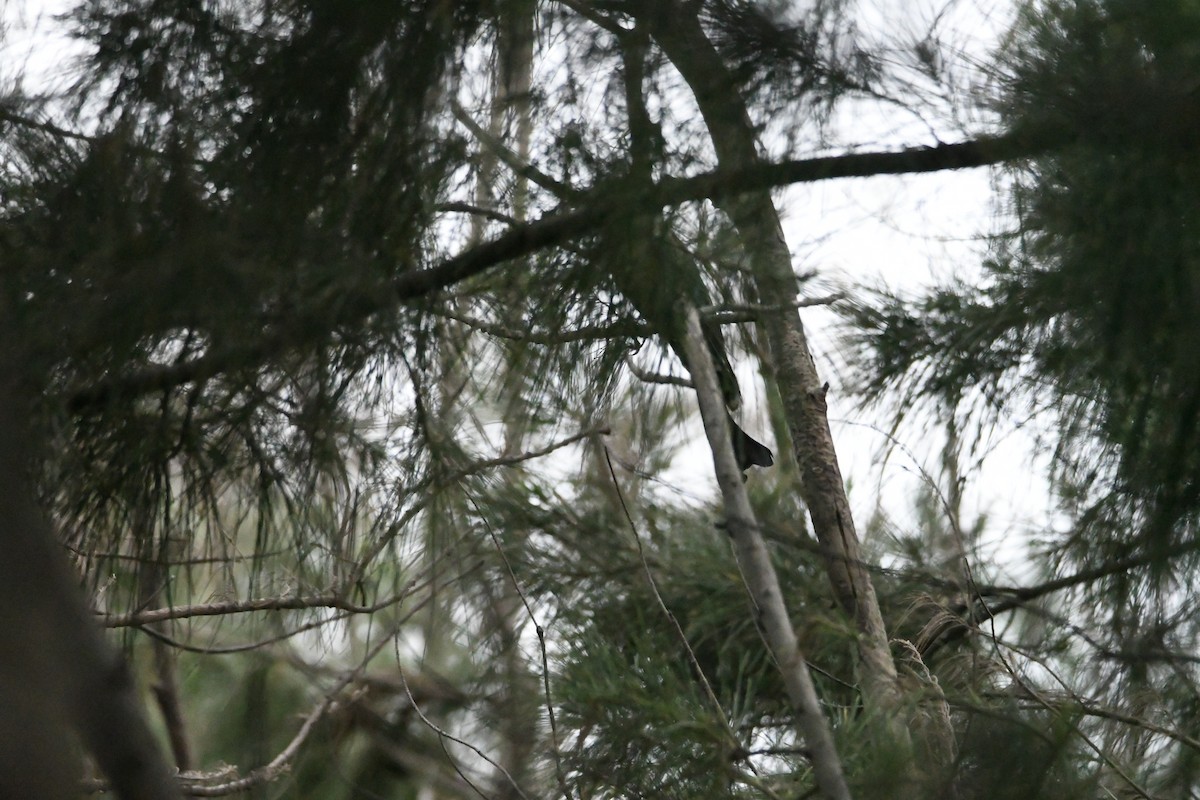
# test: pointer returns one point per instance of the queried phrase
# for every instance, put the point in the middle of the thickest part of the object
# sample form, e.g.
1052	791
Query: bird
660	280
749	451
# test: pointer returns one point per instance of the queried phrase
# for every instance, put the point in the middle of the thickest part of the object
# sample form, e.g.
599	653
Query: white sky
33	46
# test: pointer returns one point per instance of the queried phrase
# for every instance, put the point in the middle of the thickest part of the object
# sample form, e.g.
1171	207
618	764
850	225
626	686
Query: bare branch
729	314
656	377
759	574
139	618
474	210
510	159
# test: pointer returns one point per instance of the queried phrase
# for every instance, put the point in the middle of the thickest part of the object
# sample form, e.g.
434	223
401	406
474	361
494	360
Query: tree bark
58	675
677	29
758	573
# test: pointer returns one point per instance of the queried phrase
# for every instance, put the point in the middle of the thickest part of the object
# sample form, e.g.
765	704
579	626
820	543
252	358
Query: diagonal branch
759	575
11	116
557	228
226	607
510	159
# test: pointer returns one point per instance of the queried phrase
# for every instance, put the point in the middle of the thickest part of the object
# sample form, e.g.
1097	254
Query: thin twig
510	159
8	115
586	333
474	210
541	635
709	693
445	735
243	648
221	608
729	313
656	377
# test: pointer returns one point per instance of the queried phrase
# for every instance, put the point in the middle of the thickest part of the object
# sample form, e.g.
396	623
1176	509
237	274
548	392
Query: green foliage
1085	316
1007	753
191	288
238	397
630	691
784	57
1090	308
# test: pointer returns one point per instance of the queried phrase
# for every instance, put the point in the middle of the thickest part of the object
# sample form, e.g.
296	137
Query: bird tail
726	377
749	451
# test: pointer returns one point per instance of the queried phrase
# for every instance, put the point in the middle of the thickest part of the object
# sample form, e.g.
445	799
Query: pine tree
347	343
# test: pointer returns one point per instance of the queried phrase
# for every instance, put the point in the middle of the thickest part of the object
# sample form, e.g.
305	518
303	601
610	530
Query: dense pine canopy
352	347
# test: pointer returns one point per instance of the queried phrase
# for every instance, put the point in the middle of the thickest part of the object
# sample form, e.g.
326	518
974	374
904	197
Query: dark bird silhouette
649	266
749	451
660	279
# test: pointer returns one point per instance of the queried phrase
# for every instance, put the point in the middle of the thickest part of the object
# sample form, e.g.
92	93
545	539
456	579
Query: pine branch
554	229
510	159
730	314
1011	598
645	376
983	151
585	333
7	114
475	211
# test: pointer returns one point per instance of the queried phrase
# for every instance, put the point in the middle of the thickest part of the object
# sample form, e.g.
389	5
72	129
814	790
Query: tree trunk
759	574
57	672
677	29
